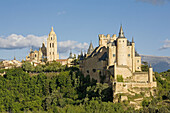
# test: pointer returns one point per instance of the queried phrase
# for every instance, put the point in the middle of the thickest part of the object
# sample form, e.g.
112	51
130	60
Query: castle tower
133	55
150	74
121	48
52	46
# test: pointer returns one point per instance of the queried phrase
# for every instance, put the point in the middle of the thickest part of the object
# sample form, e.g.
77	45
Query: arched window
35	55
51	38
53	44
50	45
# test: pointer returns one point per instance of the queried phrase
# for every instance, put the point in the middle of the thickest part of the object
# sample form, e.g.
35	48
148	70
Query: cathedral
116	62
48	53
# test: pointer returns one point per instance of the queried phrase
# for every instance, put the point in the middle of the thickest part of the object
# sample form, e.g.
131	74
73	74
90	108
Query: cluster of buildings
8	64
48	53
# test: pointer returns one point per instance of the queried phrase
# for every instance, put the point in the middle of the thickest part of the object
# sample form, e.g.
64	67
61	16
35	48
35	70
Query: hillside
159	63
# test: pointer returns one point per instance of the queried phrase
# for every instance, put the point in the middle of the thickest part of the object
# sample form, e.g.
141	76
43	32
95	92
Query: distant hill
159	63
1	60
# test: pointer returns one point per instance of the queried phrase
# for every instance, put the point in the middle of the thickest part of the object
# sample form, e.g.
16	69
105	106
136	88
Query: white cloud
15	41
61	13
154	2
65	46
166	44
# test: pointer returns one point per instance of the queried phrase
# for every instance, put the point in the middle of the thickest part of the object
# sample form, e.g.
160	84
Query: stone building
116	57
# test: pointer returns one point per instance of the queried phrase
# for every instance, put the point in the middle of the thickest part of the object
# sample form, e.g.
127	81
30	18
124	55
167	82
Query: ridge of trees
69	91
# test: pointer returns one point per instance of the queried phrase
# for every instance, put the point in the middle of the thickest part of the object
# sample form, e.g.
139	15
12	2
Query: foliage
145	67
119	78
68	90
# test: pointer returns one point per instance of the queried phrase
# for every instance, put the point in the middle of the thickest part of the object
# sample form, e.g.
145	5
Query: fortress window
87	71
114	55
94	70
128	55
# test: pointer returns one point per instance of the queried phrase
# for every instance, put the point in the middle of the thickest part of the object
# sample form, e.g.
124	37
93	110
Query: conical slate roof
90	50
121	33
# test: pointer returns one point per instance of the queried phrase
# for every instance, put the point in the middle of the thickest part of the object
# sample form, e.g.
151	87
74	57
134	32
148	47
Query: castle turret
121	48
90	50
133	55
150	74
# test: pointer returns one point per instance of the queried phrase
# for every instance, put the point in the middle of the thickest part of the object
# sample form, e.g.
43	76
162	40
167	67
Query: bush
119	78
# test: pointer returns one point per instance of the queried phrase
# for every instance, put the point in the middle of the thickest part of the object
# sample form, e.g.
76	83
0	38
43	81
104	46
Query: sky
27	23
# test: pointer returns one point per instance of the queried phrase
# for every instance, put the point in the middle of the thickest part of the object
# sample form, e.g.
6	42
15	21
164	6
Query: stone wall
121	87
140	76
124	71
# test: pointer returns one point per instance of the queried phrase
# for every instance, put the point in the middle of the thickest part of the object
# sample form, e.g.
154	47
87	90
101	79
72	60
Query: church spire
121	33
52	28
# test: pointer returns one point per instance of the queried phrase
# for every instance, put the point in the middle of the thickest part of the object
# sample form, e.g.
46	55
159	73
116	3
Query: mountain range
159	63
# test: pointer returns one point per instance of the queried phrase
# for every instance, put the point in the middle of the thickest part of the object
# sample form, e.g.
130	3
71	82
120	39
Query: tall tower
121	48
133	55
52	54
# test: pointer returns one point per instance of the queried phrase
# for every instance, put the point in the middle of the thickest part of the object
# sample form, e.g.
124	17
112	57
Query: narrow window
87	71
114	55
128	55
94	70
51	38
35	55
53	44
53	53
50	53
138	61
50	45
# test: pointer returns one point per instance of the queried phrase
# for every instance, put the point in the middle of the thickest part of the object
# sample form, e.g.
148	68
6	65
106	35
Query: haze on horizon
26	24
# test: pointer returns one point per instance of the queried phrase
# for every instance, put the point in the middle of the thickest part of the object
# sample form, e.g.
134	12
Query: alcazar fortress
116	61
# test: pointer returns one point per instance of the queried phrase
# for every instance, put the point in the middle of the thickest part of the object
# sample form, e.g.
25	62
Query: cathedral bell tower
52	54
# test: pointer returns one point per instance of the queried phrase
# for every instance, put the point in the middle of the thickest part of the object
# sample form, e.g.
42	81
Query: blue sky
81	21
